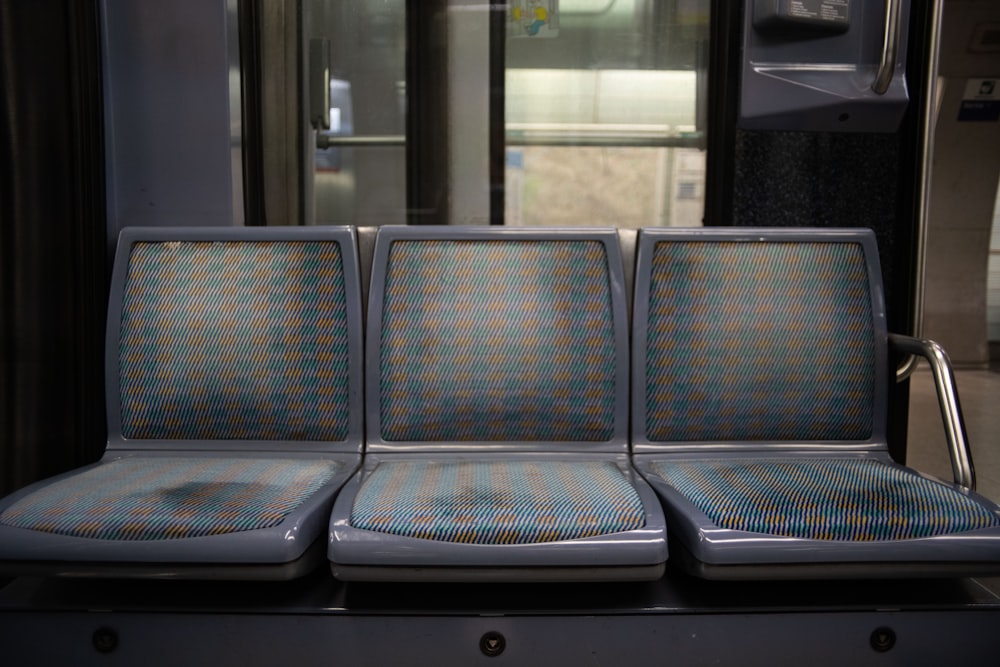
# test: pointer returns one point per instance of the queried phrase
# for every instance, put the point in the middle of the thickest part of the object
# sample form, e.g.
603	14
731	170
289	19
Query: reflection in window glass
601	112
360	162
620	187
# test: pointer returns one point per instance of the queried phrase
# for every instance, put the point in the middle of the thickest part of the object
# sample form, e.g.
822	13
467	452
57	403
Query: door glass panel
359	163
600	122
602	112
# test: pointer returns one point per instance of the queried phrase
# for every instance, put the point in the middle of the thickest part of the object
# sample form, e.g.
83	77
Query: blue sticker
980	101
979	110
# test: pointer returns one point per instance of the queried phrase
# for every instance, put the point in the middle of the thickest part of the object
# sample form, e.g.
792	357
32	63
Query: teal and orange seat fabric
497	414
235	340
234	412
498	502
760	397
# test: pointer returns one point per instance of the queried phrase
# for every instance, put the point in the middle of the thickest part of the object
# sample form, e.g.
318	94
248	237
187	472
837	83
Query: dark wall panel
826	179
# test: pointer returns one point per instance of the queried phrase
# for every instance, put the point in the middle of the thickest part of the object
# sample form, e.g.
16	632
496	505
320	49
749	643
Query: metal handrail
604	141
890	47
328	141
532	138
951	412
909	364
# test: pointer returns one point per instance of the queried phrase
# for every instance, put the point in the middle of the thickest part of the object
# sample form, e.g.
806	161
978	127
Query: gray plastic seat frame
702	548
362	555
290	549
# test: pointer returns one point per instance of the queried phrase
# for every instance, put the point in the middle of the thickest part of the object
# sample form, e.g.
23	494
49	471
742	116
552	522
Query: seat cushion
830	499
497	502
162	498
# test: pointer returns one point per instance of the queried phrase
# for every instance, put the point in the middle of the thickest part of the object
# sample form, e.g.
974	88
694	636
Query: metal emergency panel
824	65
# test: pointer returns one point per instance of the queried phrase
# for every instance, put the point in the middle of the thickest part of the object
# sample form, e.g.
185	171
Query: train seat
234	412
760	396
497	414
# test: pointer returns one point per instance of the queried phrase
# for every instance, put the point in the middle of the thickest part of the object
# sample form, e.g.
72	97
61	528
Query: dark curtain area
53	250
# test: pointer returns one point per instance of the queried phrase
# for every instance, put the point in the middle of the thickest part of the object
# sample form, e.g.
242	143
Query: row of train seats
500	416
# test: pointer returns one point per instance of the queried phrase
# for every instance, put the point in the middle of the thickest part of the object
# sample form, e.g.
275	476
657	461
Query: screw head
883	639
105	640
492	644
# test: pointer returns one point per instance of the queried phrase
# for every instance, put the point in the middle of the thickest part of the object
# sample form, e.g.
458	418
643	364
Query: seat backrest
758	338
235	338
482	337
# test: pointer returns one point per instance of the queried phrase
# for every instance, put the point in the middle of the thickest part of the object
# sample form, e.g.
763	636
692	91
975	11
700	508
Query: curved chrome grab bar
951	411
890	44
906	368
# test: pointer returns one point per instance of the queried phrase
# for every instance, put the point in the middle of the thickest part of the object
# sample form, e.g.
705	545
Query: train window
359	158
602	123
530	112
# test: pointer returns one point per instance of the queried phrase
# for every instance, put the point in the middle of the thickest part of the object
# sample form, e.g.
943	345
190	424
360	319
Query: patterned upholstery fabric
497	502
832	499
234	340
497	340
153	498
759	341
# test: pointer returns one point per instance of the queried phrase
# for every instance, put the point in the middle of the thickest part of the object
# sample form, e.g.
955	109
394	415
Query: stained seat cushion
162	498
828	499
497	502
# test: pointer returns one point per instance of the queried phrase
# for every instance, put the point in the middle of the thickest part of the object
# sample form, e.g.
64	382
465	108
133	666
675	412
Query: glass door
357	50
604	105
530	112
